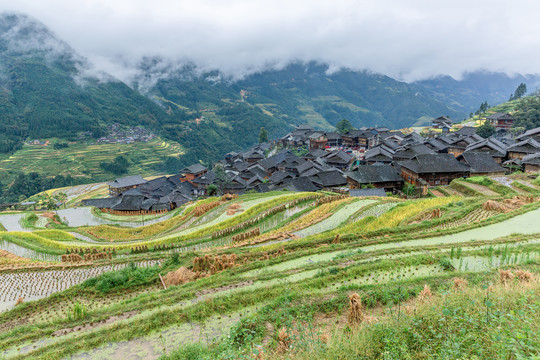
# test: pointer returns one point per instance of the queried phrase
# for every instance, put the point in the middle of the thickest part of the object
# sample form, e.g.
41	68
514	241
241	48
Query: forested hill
48	90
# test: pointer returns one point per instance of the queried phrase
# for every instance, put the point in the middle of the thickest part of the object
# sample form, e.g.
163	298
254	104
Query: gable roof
529	133
532	159
329	178
480	162
299	184
434	163
127	181
443	119
497	147
528	146
500	116
193	169
372	174
206	179
466	131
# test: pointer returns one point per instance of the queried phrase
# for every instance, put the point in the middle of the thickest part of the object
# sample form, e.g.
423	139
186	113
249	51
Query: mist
407	40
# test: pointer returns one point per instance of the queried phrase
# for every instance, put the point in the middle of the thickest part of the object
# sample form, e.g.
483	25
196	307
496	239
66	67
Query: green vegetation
293	275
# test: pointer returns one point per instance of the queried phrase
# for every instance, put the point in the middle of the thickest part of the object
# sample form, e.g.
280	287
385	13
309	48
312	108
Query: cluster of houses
119	134
367	161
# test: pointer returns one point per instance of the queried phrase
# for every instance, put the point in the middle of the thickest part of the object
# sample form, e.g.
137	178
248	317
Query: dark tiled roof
299	184
127	181
105	203
206	179
444	119
436	144
529	133
372	174
532	159
330	178
500	116
466	131
367	192
496	147
193	169
480	162
130	203
434	163
148	203
528	146
279	176
175	179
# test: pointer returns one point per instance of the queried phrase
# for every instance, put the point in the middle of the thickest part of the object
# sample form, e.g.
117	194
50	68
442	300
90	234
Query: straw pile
180	276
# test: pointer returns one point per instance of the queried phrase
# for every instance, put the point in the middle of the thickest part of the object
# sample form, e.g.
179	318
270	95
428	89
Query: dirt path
437	193
508	183
481	189
452	192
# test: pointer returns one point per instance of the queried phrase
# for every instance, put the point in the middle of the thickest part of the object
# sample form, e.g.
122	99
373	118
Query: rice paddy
240	260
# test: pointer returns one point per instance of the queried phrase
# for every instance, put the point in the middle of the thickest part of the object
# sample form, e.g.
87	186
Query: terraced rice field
209	289
336	219
83	160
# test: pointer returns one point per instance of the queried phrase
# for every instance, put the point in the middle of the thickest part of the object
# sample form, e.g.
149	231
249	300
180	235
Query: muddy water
12	222
27	253
336	219
82	216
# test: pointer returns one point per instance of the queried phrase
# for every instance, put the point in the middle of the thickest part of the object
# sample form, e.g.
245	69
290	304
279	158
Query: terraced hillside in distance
82	160
278	275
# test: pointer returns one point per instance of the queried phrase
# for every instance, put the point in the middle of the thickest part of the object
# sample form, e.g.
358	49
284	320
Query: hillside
48	90
276	273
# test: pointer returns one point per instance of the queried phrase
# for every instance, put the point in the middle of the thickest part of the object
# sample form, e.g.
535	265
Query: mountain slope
467	94
48	90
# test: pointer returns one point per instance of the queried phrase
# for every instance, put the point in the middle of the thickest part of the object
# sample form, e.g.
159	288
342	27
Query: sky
405	39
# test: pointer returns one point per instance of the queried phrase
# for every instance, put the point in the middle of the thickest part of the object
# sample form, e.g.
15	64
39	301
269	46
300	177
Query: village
362	162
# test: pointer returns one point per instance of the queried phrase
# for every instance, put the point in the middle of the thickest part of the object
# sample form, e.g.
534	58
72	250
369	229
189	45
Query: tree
211	190
62	197
222	178
520	91
486	130
527	113
263	136
483	108
344	126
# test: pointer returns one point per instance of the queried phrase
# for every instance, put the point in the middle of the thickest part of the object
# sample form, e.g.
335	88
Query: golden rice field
262	273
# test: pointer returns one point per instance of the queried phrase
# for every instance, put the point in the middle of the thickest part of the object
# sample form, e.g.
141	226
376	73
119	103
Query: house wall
455	151
516	155
387	186
191	177
433	179
532	168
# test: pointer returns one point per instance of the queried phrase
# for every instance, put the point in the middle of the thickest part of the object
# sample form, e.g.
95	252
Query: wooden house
433	169
523	148
380	176
124	184
531	163
192	172
481	164
501	120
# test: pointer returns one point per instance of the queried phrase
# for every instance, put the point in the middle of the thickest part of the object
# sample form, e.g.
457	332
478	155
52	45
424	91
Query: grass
82	160
309	280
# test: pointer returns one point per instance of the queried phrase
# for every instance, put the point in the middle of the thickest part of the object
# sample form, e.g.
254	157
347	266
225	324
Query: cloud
408	40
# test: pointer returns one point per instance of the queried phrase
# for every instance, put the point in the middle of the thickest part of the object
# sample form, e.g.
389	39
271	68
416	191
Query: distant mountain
48	90
467	94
